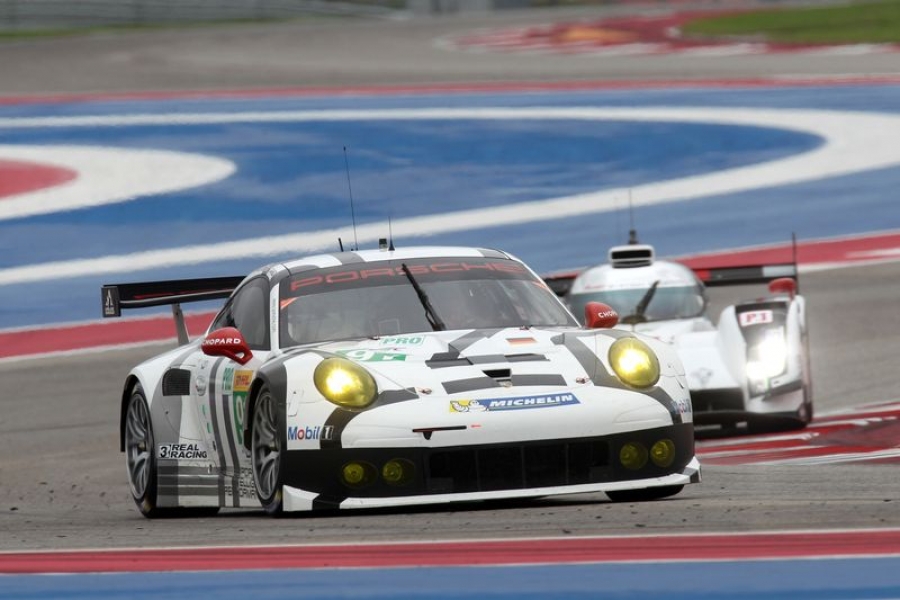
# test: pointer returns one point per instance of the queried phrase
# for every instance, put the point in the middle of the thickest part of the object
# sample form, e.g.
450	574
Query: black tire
806	411
140	460
644	495
265	453
803	416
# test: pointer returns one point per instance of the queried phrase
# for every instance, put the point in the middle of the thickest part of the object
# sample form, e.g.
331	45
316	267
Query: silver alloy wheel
266	447
138	446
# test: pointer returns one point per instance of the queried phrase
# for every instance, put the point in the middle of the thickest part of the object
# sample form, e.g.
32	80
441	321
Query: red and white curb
869	434
716	547
633	36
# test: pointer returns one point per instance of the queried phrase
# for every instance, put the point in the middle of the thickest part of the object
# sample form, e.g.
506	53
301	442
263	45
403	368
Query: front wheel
654	493
265	449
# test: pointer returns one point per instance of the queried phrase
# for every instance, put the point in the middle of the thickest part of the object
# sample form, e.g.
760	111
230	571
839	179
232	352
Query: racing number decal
240	403
755	317
240	389
364	355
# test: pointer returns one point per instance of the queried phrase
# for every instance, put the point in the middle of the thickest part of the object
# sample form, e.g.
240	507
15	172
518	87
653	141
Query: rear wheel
654	493
140	459
265	448
139	453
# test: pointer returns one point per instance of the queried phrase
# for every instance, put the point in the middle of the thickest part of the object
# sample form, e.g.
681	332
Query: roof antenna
383	242
390	235
352	213
617	211
340	244
632	233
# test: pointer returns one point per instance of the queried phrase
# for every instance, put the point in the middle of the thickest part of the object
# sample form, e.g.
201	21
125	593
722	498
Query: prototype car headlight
345	383
768	358
634	362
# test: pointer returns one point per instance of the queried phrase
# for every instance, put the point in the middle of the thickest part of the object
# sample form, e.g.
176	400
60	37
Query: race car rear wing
121	296
560	283
745	275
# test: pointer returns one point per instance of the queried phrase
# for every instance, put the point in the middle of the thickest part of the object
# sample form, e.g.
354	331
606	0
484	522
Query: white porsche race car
397	377
750	370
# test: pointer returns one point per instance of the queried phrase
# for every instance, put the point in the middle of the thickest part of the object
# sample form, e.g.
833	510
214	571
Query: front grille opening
589	462
518	467
543	465
500	468
713	400
453	471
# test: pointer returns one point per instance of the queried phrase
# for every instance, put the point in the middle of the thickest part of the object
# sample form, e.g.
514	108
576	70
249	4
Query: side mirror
783	285
599	316
227	342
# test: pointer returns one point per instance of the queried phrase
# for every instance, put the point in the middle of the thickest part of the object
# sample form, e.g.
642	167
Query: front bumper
729	406
313	478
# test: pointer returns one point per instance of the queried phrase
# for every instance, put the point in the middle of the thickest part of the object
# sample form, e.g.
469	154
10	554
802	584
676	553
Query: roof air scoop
632	255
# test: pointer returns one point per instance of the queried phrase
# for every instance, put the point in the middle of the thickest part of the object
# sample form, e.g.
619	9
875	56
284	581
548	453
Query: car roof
336	259
608	278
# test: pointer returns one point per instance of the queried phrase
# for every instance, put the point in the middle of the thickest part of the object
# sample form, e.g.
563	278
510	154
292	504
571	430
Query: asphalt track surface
62	480
350	52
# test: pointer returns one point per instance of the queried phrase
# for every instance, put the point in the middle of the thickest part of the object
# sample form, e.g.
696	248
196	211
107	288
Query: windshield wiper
639	316
430	314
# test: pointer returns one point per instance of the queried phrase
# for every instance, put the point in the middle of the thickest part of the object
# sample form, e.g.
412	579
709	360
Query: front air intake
633	255
176	382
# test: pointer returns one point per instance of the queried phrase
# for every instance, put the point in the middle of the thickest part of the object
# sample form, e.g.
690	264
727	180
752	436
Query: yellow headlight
345	383
633	455
634	362
398	471
662	453
358	474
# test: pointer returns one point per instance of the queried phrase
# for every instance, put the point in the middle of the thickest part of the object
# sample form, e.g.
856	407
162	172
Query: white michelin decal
513	403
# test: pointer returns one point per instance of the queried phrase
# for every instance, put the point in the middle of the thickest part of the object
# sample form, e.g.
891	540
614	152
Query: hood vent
501	376
632	255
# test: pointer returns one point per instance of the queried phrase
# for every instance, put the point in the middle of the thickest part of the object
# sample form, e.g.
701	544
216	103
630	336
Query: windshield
377	299
666	303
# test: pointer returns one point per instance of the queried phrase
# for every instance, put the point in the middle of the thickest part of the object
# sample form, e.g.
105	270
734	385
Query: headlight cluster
767	359
345	383
634	455
395	472
634	362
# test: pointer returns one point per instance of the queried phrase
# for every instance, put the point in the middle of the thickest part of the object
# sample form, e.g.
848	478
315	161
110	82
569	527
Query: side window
224	319
248	312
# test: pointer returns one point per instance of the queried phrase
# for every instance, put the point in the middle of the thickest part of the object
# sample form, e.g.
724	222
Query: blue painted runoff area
822	579
290	179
